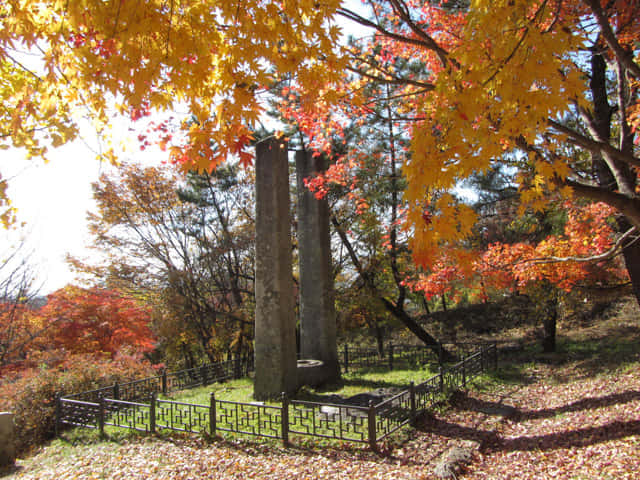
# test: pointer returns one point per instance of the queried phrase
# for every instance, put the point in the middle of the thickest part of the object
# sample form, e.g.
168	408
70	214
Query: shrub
31	395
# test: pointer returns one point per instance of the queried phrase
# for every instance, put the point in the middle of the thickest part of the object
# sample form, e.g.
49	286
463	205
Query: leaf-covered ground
565	416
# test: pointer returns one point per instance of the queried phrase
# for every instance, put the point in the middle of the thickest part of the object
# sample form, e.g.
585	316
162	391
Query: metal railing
350	423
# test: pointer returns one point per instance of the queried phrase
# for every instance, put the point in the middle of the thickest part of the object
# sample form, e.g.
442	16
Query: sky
53	199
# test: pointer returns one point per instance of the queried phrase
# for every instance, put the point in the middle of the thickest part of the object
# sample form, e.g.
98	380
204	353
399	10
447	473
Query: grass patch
351	383
365	380
240	390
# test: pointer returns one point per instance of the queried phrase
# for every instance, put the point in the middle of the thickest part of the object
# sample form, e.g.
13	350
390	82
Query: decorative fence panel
473	365
394	413
402	356
77	413
93	396
354	358
411	355
325	420
351	423
138	389
427	392
248	418
130	415
184	379
183	417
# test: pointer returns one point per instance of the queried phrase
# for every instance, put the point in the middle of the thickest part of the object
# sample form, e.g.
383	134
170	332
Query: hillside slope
570	415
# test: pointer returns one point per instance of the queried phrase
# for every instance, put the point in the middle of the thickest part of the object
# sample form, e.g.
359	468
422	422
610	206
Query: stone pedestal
317	309
7	445
275	344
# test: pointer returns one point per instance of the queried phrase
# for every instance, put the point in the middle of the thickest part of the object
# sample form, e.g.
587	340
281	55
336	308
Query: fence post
212	414
495	355
101	415
464	373
346	358
371	417
164	381
391	356
441	379
116	391
152	413
412	400
284	416
203	374
58	412
236	366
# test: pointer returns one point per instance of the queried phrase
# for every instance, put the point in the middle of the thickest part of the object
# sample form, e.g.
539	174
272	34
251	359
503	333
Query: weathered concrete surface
275	344
317	309
7	446
311	372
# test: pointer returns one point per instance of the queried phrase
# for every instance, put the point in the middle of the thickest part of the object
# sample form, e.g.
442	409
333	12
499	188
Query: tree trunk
426	305
379	338
549	339
632	261
395	309
600	128
415	328
550	315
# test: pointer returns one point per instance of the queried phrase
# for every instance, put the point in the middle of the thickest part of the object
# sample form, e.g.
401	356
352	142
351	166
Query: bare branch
630	207
626	58
350	15
615	250
594	145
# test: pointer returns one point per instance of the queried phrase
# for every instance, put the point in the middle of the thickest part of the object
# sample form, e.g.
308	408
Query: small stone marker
7	447
455	460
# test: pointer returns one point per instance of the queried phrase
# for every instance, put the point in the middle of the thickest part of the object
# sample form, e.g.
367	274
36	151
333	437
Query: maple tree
543	91
554	82
96	320
97	58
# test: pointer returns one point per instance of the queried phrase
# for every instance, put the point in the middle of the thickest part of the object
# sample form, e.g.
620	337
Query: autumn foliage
80	340
543	89
31	394
96	321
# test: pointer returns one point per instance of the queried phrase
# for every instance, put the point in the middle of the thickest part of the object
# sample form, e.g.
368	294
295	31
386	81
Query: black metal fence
351	423
400	355
168	382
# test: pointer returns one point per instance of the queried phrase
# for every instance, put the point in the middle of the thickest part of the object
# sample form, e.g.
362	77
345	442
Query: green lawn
352	383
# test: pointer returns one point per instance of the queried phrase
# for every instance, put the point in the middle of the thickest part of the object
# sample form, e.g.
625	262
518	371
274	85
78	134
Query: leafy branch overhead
525	86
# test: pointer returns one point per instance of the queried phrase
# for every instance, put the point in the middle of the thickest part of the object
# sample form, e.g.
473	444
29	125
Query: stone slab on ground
455	459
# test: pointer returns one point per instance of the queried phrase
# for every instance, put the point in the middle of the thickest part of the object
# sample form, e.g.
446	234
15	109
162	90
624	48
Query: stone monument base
313	373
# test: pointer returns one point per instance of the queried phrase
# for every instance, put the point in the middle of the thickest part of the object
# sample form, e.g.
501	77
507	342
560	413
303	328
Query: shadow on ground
490	440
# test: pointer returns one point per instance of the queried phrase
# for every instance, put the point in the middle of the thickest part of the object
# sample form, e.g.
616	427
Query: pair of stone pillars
276	367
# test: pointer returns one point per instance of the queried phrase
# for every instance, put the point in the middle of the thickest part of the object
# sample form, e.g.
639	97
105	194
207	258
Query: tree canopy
551	86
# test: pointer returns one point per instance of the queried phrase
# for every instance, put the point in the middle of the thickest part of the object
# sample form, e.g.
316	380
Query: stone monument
275	346
317	309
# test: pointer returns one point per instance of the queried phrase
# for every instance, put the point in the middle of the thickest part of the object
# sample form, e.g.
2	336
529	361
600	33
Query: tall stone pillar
275	329
317	309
